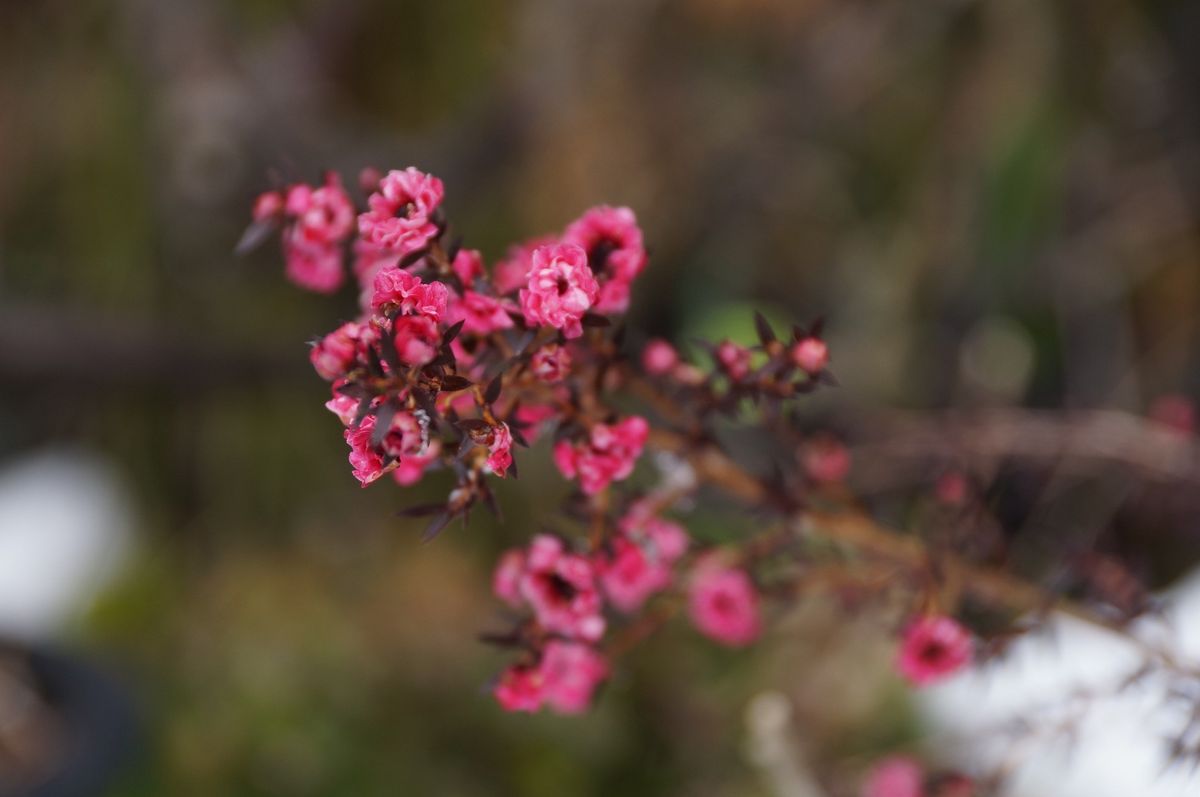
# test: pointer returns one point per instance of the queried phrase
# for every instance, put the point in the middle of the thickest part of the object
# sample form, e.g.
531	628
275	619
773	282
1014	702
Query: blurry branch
860	533
43	346
1071	441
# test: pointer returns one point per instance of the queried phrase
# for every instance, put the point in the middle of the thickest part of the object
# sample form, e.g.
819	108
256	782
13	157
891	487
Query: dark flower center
598	254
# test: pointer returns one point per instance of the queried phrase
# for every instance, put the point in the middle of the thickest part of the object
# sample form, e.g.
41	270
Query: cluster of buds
449	365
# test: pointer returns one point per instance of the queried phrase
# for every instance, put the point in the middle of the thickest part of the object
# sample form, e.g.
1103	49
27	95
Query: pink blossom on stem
560	586
609	454
314	267
811	355
560	290
396	288
570	673
417	339
932	648
640	560
659	357
615	251
723	604
520	688
400	215
365	460
343	406
336	353
895	776
551	363
507	577
500	449
323	216
468	266
480	314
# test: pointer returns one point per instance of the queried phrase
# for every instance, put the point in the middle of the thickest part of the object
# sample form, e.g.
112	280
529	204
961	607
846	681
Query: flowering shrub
451	366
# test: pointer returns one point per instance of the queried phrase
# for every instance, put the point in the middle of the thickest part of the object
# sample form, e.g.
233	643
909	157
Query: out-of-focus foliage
992	201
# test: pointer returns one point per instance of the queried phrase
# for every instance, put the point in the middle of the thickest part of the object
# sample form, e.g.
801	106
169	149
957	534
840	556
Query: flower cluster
451	365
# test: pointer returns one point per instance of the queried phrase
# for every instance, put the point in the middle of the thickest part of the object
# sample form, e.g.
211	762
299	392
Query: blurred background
994	203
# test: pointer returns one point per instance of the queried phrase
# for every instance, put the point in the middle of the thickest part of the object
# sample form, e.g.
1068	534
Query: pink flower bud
811	355
933	648
723	604
659	357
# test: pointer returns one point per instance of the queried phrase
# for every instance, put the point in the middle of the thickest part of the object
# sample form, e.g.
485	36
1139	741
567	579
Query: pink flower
564	678
641	559
406	438
608	455
396	288
344	407
365	460
734	359
314	267
467	266
551	363
268	205
401	211
811	355
560	290
560	586
570	673
615	252
659	357
479	313
723	604
337	352
507	577
895	776
411	467
500	450
520	688
513	271
933	647
533	416
417	339
1175	412
827	460
323	216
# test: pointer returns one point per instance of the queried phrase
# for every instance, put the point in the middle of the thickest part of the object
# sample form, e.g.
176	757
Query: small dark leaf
474	425
512	469
517	437
383	423
594	320
817	327
455	382
452	250
763	327
254	236
489	500
352	389
452	332
421	510
410	258
364	409
435	526
493	389
827	378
